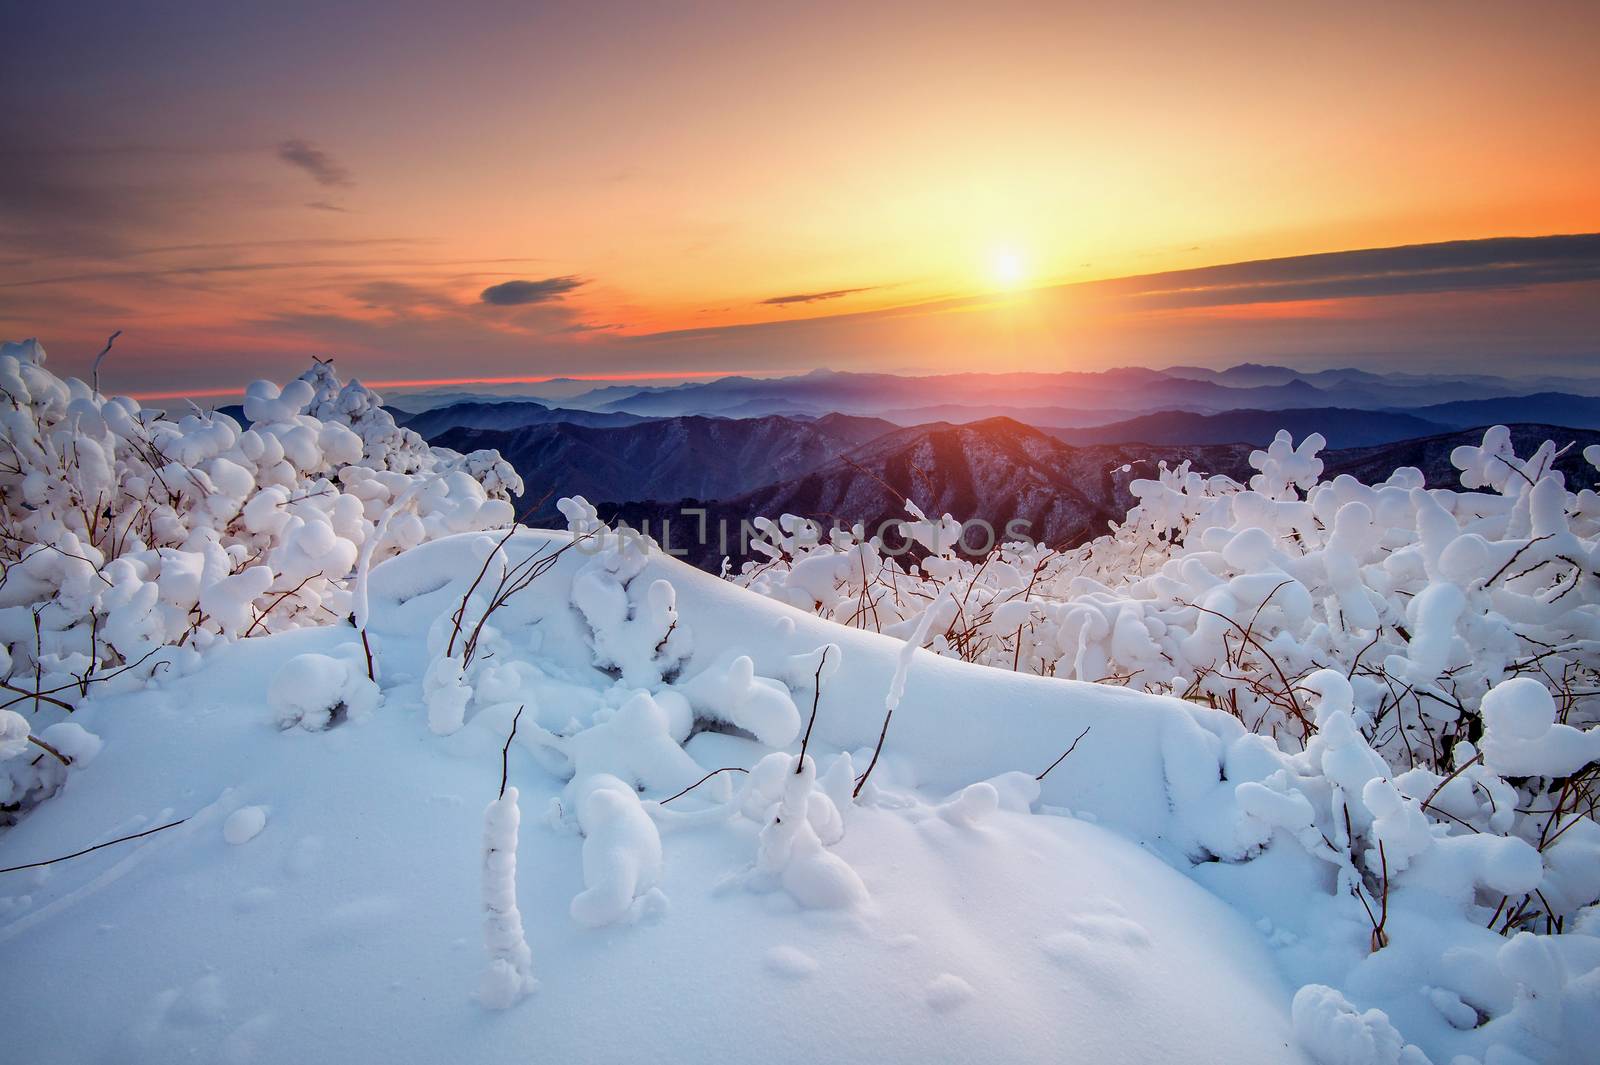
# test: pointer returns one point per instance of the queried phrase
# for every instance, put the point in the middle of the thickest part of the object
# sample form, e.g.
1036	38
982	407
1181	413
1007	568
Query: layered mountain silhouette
1118	393
1059	484
667	458
998	471
508	414
1340	426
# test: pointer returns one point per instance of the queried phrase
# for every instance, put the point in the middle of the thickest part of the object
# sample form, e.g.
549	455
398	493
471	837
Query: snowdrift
321	900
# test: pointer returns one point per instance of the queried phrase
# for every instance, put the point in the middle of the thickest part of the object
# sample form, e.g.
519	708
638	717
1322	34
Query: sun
1007	268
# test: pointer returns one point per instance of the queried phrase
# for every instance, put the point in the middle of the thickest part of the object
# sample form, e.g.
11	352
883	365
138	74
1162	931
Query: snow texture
1372	790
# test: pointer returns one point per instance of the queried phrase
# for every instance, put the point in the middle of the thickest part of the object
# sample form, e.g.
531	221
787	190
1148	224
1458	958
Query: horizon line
427	382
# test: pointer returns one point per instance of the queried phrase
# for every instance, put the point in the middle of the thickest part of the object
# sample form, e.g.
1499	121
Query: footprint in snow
251	1041
787	961
201	1003
304	856
1082	930
947	991
254	899
175	1015
357	920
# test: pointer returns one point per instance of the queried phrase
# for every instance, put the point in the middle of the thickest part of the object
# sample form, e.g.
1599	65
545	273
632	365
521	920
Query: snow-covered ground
512	795
349	927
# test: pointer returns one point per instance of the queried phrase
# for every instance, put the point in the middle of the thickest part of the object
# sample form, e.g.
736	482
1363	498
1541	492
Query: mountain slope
999	471
1126	389
1002	471
669	458
1341	427
1546	408
507	414
1431	455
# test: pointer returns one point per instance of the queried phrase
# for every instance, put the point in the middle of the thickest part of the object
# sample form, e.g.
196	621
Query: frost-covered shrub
611	745
130	539
316	691
1427	658
509	975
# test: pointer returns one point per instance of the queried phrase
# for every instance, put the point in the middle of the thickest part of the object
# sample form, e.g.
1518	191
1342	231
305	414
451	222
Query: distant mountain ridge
1340	426
1132	390
1554	408
1000	471
1072	400
1065	481
666	458
508	414
997	470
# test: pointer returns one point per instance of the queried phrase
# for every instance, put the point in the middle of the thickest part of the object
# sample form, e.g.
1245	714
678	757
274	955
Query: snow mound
937	896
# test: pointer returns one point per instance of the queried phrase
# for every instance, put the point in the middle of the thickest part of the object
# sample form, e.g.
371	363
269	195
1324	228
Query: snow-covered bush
631	739
131	540
1426	658
1417	901
509	975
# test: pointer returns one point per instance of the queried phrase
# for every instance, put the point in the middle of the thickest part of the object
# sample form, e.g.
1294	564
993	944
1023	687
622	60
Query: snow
621	851
509	975
791	846
13	734
374	849
1359	837
244	824
1336	1034
1521	737
314	690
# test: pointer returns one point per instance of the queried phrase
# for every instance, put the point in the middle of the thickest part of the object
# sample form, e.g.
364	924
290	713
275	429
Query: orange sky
237	189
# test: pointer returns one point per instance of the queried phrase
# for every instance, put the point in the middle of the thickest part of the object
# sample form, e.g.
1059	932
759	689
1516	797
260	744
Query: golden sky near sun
687	165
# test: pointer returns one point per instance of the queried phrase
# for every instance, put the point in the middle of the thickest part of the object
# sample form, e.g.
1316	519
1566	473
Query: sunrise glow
1007	269
671	195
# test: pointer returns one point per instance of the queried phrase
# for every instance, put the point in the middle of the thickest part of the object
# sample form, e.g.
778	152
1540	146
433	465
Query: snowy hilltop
311	754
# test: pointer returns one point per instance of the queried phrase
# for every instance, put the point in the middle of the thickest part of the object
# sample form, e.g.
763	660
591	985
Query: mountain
1135	390
507	414
666	458
1549	408
1431	455
997	470
1341	427
852	427
1038	417
875	393
1001	470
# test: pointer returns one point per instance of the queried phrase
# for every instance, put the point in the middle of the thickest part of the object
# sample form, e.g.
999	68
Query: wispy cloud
323	168
816	297
203	269
324	205
521	293
1452	266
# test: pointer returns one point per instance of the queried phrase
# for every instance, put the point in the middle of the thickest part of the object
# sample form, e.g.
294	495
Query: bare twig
281	597
505	752
94	372
816	697
81	683
1462	768
1064	753
97	846
1380	938
461	611
883	732
702	780
37	742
